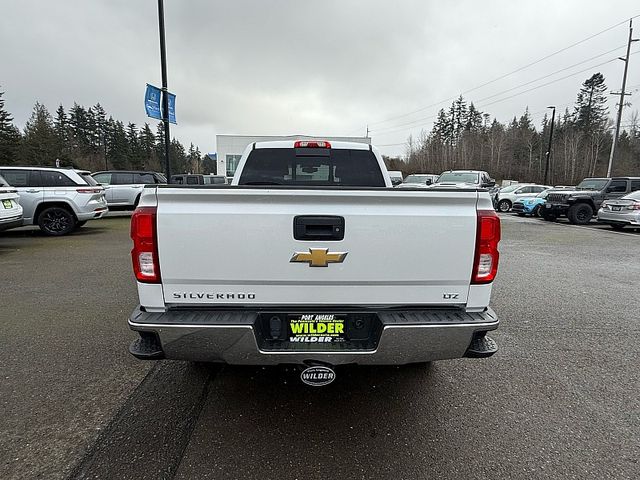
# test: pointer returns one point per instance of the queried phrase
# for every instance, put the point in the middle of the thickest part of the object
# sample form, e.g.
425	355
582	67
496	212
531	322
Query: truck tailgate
231	246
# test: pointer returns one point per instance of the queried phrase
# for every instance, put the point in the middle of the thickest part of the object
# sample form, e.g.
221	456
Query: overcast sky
302	67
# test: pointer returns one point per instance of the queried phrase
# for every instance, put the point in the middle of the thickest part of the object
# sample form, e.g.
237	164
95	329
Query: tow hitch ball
317	374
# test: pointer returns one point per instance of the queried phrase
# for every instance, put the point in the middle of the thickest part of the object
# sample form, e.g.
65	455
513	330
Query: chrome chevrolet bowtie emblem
318	257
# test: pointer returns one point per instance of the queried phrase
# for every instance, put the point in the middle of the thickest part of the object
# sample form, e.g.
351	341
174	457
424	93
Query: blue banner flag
172	108
152	102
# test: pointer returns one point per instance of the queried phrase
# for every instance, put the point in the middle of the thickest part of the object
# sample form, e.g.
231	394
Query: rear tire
580	214
536	211
56	221
504	206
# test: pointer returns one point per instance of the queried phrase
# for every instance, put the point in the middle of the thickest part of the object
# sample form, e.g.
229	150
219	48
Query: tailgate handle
318	227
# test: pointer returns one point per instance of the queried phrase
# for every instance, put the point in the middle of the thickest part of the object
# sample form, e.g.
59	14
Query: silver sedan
621	212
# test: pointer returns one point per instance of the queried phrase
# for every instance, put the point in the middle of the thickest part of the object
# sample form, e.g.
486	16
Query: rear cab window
313	167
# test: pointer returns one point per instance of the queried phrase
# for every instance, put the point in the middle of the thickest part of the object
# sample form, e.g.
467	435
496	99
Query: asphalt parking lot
559	400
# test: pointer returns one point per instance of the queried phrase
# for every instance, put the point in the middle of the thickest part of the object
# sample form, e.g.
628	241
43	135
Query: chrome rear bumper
229	337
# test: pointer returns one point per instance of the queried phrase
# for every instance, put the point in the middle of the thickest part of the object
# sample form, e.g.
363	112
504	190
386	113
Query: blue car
530	205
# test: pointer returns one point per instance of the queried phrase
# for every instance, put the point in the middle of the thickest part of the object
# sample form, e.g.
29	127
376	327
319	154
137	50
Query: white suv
10	209
123	187
58	200
505	197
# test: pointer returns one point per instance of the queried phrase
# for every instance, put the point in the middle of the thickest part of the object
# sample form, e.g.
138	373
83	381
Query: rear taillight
145	245
312	144
485	263
89	190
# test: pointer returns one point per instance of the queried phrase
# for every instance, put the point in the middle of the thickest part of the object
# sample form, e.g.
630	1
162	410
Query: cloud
328	67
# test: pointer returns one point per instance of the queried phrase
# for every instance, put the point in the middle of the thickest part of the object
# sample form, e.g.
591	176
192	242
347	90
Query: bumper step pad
481	347
146	347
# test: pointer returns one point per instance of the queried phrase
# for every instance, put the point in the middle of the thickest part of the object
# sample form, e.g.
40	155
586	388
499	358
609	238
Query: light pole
546	165
165	96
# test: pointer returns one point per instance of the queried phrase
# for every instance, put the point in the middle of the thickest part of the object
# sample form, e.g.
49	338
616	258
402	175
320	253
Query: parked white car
58	200
396	177
10	209
123	187
418	180
505	197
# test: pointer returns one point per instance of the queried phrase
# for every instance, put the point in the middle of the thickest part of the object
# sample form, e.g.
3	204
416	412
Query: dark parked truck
582	203
307	277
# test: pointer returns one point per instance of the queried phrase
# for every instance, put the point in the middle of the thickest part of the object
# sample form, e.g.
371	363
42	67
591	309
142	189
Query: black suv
582	203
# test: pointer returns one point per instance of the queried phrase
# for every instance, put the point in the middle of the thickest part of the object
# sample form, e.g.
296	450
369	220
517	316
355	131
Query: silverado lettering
213	296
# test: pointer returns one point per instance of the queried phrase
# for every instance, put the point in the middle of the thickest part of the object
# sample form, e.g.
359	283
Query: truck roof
291	144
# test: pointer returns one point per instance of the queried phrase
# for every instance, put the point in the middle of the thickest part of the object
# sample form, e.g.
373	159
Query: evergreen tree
474	119
591	110
178	157
78	129
458	115
61	127
135	156
40	144
208	164
9	136
99	133
443	128
147	147
117	148
159	146
93	139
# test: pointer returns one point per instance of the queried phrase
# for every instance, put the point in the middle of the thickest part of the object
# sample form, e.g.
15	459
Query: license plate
616	209
317	328
7	203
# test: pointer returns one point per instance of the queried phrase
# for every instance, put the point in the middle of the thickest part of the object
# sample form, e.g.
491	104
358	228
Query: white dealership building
230	147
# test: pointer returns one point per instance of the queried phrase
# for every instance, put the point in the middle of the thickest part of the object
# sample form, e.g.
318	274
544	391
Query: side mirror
491	182
429	181
395	181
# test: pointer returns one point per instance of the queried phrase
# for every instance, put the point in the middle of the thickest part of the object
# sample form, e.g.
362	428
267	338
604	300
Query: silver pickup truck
310	258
